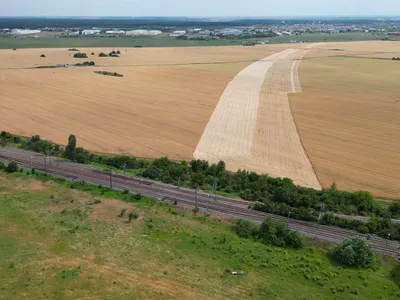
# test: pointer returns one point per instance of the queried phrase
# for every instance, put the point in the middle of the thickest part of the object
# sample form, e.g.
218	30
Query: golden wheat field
160	106
348	115
340	124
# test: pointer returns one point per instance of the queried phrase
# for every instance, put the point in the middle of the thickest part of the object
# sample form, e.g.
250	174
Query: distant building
25	31
73	33
178	33
90	31
231	31
115	32
143	32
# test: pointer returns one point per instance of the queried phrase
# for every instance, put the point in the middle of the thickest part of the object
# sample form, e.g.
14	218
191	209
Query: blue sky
199	7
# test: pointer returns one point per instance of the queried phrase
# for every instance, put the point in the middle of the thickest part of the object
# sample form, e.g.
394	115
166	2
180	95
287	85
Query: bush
395	274
278	234
2	165
352	252
133	215
245	229
42	55
126	192
101	54
80	55
12	167
123	211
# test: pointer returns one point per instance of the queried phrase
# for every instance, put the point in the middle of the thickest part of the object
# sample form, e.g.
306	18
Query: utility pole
215	189
321	212
195	197
124	168
387	243
110	179
287	223
31	162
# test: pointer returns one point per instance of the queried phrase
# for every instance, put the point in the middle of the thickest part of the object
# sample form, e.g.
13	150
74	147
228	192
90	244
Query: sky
195	8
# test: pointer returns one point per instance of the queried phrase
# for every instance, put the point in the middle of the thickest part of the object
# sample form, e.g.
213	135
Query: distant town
281	28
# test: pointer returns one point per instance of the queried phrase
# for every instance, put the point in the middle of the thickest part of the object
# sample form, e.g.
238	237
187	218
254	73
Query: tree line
273	195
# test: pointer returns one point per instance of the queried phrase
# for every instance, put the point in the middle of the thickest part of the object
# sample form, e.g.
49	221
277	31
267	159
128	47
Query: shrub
123	211
196	209
115	74
2	165
133	215
126	192
395	274
101	54
80	55
42	55
278	234
245	229
11	167
352	252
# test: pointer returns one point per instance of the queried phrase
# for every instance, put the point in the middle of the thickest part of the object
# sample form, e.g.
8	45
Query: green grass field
165	41
62	243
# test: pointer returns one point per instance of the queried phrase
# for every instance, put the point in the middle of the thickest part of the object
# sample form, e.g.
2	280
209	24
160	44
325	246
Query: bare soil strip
252	126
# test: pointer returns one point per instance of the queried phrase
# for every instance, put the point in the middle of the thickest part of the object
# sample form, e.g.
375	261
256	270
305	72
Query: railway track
234	208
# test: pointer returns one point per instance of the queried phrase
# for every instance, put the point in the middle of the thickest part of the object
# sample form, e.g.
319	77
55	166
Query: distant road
234	208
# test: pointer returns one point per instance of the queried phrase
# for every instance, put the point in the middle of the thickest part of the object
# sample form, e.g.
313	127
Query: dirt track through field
252	126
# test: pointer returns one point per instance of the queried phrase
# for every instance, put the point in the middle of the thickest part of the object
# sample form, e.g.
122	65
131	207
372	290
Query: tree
353	252
11	167
70	150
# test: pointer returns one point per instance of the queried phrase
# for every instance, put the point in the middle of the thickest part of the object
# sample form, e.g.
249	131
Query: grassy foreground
60	243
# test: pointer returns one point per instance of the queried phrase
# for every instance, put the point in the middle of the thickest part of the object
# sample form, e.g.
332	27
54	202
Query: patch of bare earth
31	185
108	209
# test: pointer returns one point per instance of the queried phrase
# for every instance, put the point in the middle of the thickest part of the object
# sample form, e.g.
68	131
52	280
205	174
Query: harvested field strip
252	127
229	132
277	148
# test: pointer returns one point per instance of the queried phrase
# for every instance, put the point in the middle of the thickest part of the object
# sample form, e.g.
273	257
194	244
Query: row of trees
111	54
273	195
86	64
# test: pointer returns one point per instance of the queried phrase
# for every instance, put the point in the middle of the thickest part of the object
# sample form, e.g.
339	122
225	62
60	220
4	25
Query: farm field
178	102
59	243
347	115
164	40
160	106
